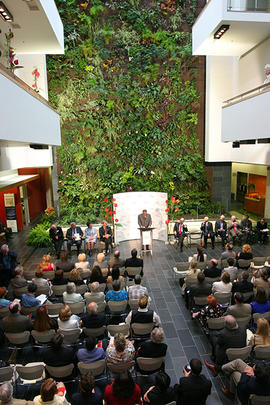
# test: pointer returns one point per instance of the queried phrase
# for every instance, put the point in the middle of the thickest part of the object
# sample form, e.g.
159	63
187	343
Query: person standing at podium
145	221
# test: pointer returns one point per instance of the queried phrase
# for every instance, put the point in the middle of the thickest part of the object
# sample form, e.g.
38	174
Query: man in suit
15	322
221	229
18	281
262	231
243	286
57	238
74	236
180	230
134	261
246	226
234	230
246	380
8	262
93	319
116	261
144	220
232	336
239	310
105	235
207	231
194	387
200	289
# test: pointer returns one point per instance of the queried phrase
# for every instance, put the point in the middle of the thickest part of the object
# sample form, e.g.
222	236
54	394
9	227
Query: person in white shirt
137	291
143	314
223	286
66	320
70	296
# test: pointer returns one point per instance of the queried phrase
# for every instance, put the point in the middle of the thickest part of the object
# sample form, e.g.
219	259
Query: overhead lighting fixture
221	31
4	12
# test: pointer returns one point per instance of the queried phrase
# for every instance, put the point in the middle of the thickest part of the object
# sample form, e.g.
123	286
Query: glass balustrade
249	5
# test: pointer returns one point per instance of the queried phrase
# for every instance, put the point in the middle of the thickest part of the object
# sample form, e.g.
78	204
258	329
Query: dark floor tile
169	329
164	315
179	363
191	352
179	322
175	347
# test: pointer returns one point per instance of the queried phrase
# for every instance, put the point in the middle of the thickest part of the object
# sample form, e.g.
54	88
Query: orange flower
106	209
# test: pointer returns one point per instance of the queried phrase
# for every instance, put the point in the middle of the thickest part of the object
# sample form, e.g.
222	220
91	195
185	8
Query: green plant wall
126	93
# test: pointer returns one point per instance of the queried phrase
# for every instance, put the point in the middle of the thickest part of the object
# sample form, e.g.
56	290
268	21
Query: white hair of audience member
6	392
94	287
92	308
230	322
71	288
18	270
267	68
4	247
157	335
100	257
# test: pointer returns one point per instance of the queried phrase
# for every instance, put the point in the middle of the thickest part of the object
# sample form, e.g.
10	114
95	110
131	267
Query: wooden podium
146	235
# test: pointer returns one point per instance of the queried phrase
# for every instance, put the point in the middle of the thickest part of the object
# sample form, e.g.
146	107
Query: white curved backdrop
130	205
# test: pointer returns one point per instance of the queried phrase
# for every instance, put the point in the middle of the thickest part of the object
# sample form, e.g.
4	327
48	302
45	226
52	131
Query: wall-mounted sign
10	209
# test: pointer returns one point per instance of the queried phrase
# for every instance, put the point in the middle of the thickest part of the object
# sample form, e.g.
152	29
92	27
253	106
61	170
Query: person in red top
46	264
123	391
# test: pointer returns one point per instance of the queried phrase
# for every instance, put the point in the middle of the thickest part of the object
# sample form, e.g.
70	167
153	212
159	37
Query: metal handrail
248	94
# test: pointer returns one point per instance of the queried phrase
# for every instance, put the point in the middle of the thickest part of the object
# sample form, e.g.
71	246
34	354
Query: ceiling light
5	14
221	31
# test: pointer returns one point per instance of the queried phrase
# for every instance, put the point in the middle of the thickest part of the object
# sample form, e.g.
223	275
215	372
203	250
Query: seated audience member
59	278
70	296
105	235
91	352
211	310
262	279
3	301
161	392
143	314
246	380
221	229
8	263
239	310
246	253
75	277
57	238
261	304
29	300
39	280
137	291
66	320
95	295
90	237
74	236
116	294
199	256
199	289
116	261
93	319
231	269
46	264
212	271
51	393
115	276
134	261
262	231
18	281
120	350
229	252
64	263
42	321
246	226
123	391
191	273
234	230
88	394
96	275
82	263
6	396
267	262
15	322
222	286
243	286
102	264
232	336
194	387
57	354
153	347
262	335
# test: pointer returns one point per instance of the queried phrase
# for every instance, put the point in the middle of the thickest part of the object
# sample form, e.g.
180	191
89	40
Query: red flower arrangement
12	62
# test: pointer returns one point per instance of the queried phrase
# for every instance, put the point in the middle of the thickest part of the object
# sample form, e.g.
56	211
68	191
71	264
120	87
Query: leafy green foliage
39	236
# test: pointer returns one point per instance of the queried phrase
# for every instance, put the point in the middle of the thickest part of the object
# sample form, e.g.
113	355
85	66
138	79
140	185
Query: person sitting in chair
74	236
57	238
105	235
180	230
262	231
90	237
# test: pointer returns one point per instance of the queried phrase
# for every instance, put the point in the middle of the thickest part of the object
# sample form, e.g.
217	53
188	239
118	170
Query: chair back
4	312
258	261
216	323
121	367
244	321
49	275
29	310
96	367
90	299
124	329
101	307
18	338
200	300
244	263
6	374
117	306
102	287
259	399
133	271
71	336
171	403
238	353
53	309
122	270
191	281
43	337
81	289
43	290
201	265
60	372
94	331
133	304
141	329
149	364
248	296
223	298
30	372
182	266
19	291
265	315
262	352
77	307
211	280
58	290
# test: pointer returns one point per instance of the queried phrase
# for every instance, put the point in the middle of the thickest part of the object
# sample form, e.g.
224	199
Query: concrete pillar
221	184
267	196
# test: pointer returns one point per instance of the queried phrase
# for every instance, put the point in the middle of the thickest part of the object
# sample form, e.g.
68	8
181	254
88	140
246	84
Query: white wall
22	156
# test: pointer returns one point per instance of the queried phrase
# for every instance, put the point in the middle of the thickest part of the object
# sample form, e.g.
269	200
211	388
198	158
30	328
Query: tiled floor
183	336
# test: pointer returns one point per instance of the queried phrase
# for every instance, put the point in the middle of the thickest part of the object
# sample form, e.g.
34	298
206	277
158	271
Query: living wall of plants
127	96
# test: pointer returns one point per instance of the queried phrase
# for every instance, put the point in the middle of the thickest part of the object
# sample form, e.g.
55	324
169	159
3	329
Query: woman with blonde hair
66	320
262	335
46	264
192	273
75	277
82	263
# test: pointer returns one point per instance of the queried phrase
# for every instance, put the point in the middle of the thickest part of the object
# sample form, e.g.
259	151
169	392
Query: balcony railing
248	94
249	5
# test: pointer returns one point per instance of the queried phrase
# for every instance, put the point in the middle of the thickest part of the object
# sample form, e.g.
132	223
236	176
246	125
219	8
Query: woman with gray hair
6	392
267	72
70	296
154	347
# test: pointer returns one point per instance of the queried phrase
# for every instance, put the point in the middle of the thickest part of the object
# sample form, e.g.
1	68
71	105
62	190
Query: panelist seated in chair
105	235
74	236
90	237
180	229
262	231
234	230
246	226
57	238
207	232
143	314
221	229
